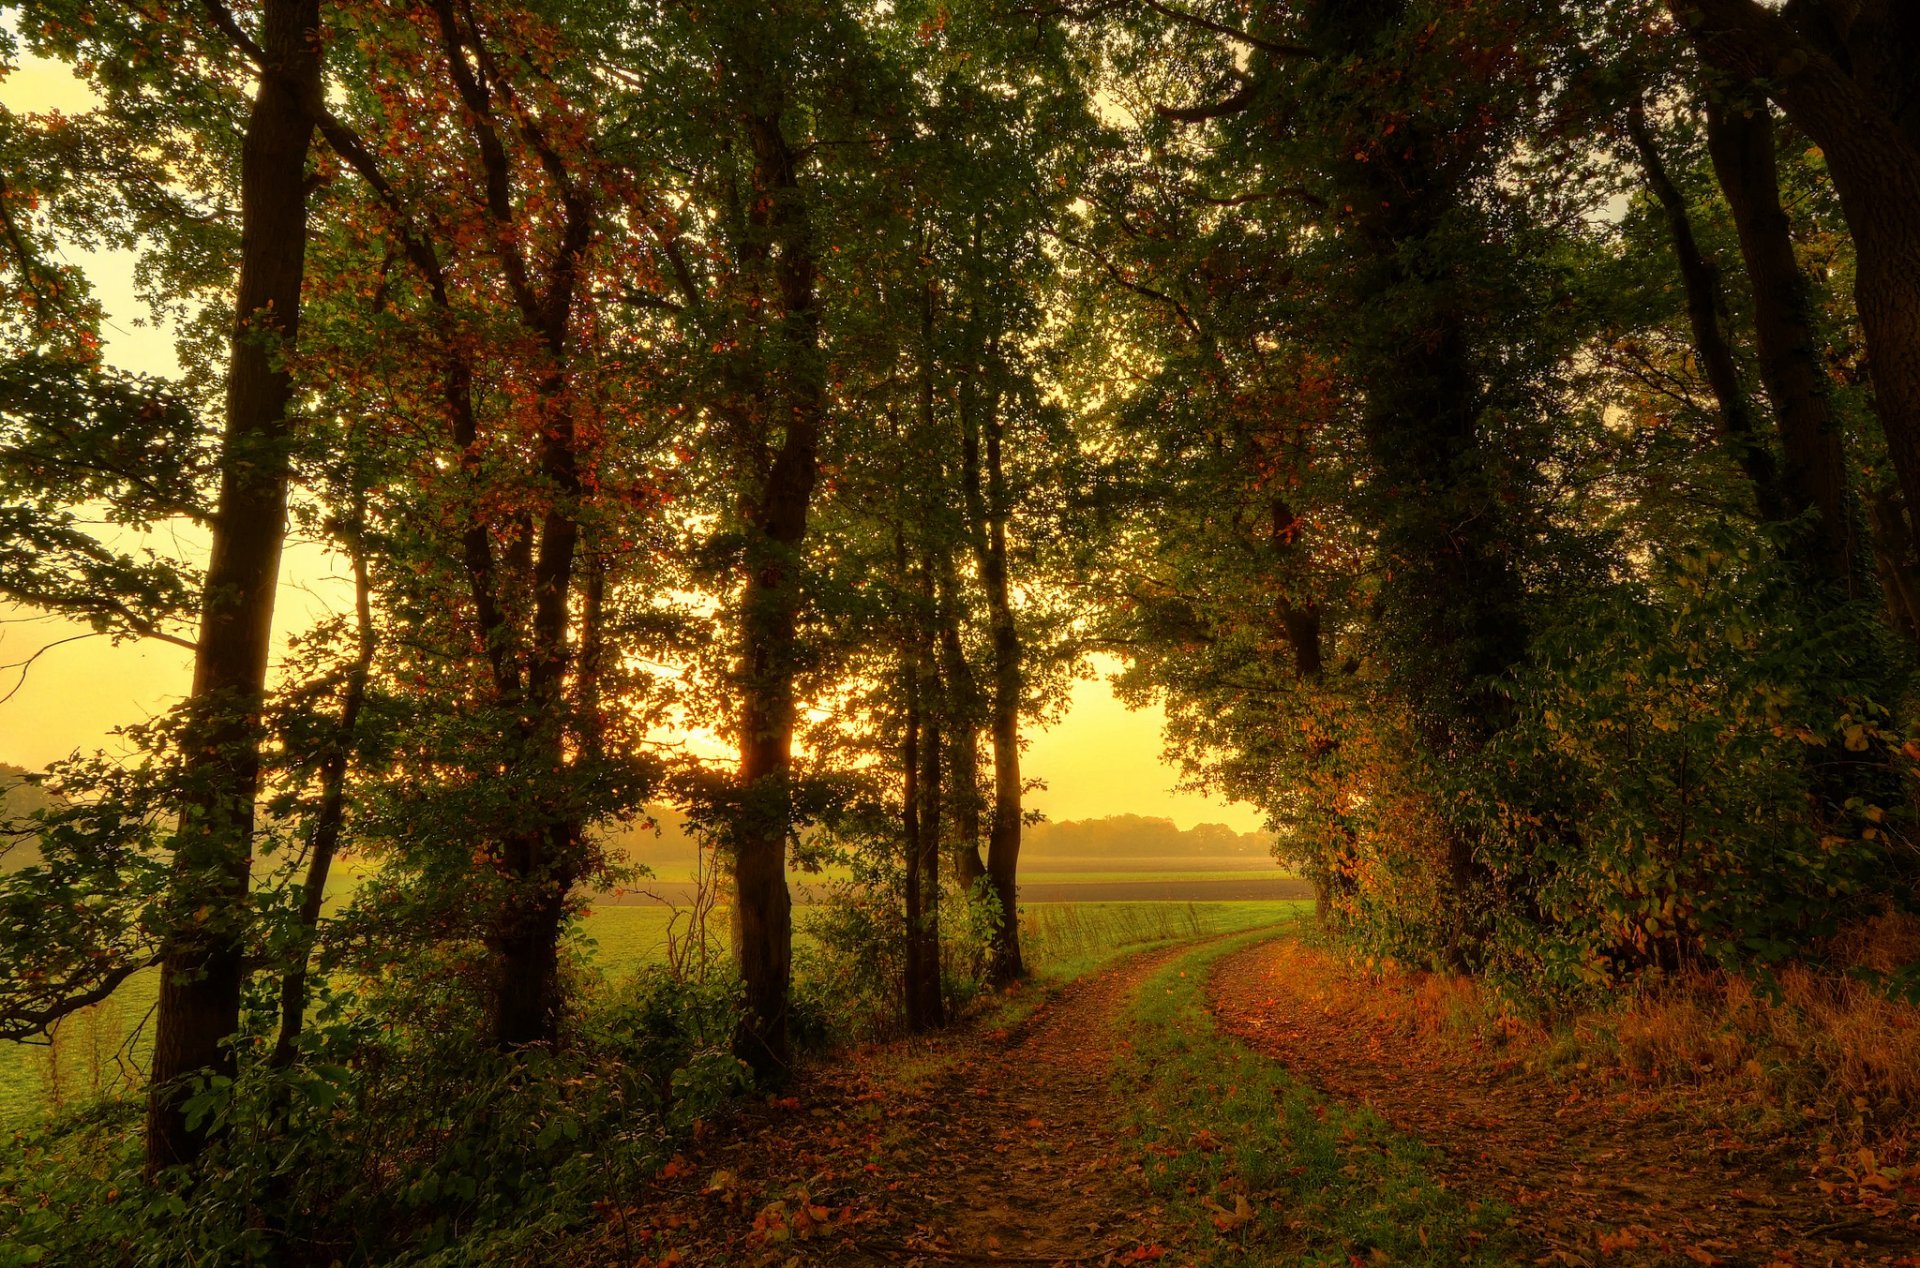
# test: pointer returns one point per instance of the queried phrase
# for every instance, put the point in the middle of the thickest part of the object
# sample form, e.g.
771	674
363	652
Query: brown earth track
1591	1179
973	1146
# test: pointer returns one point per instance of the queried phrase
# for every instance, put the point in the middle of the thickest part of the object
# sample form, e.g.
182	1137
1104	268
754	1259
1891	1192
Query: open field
1040	887
102	1050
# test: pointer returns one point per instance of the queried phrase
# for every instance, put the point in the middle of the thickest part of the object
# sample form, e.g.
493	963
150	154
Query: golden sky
1099	759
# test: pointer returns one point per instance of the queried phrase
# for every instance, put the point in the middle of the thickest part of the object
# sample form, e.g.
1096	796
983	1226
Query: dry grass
1812	1049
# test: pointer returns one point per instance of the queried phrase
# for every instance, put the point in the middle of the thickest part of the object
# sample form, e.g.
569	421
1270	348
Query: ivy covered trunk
1451	604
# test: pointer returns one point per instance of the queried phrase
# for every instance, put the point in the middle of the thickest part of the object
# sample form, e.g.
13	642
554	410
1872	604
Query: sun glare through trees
616	521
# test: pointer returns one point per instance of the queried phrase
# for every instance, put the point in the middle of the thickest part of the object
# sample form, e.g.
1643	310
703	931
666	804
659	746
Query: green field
100	1051
1131	876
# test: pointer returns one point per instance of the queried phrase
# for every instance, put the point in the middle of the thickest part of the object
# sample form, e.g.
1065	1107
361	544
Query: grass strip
1263	1169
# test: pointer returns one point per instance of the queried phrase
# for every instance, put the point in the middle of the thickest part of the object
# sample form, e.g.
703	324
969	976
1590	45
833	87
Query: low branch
1234	104
23	1025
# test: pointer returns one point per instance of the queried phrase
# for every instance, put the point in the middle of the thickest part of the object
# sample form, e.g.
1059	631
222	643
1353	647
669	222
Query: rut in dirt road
968	1146
1035	1166
1590	1178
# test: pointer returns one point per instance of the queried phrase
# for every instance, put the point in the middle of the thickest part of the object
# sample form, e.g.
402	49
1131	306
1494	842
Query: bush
391	1145
850	968
1703	785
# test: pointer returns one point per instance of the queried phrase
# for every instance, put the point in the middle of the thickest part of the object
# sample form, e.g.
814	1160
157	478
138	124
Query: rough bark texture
775	513
202	969
1846	73
1813	478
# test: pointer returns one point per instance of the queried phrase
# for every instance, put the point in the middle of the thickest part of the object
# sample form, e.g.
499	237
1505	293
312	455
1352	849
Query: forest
1488	429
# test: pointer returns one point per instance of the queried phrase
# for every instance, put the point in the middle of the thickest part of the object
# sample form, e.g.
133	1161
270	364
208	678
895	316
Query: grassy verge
1063	942
1267	1171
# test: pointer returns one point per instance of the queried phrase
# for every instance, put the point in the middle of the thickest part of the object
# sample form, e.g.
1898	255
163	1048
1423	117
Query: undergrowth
1264	1169
1805	1050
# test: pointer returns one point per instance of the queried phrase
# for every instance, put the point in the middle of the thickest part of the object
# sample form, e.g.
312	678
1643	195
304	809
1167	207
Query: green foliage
389	1146
1684	730
850	969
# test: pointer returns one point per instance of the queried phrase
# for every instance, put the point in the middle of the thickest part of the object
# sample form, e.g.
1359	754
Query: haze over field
1292	630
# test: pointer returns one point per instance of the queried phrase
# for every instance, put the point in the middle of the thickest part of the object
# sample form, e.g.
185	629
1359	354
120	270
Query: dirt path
1591	1179
997	1146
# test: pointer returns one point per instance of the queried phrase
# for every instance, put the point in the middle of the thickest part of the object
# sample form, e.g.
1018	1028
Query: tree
1844	74
503	221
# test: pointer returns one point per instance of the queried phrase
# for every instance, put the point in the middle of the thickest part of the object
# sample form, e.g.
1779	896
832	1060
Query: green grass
98	1052
1109	876
1061	941
1323	1183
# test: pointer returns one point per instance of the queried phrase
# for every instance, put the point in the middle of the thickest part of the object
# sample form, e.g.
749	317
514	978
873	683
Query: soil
998	1146
1592	1177
1006	1146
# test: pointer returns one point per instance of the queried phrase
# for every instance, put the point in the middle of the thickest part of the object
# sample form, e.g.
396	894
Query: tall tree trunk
963	741
1844	74
984	478
961	697
925	1008
202	969
542	863
911	806
776	516
1814	476
330	816
1707	316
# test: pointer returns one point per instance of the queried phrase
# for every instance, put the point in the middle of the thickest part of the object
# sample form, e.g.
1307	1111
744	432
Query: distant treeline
1125	836
1139	836
18	800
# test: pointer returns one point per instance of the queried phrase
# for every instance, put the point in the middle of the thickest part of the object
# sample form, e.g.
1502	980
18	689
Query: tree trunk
1844	75
1813	480
1299	622
986	497
202	970
1706	317
963	743
910	805
542	863
330	816
926	1009
776	516
1451	613
1895	555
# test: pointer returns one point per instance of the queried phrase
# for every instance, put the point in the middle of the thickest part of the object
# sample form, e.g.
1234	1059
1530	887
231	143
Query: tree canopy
1490	428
